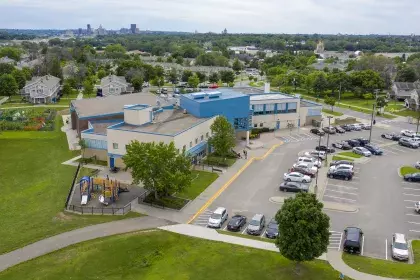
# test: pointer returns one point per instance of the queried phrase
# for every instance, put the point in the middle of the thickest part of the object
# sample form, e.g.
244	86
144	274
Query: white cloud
263	16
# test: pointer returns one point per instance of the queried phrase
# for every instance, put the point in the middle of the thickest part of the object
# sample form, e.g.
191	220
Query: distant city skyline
238	16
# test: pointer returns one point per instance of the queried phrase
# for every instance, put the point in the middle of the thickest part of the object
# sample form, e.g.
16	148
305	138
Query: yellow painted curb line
227	184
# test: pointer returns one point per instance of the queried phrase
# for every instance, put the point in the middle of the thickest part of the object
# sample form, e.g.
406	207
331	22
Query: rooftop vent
198	95
214	94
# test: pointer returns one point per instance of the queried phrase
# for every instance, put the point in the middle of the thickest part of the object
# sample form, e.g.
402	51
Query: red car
214	86
304	171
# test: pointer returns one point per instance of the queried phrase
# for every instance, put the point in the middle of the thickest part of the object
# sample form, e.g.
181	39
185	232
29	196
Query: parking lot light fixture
316	178
371	123
328	136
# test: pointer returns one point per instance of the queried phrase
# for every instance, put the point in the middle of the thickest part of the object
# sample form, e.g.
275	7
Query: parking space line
410	200
355	177
340	192
292	138
415	215
412	230
225	227
341	239
243	232
386	249
379	140
409	207
389	151
402	151
340	186
414	223
262	234
412	189
363	245
340	198
410	194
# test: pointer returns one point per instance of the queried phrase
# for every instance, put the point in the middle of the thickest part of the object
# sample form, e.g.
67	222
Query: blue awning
197	149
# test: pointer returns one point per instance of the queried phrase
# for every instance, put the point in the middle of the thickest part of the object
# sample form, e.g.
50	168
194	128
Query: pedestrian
246	154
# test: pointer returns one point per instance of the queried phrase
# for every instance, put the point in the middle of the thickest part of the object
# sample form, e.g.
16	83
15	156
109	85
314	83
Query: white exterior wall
123	138
193	133
137	117
270	120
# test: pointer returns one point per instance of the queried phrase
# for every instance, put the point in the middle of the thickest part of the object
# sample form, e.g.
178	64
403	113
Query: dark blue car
374	150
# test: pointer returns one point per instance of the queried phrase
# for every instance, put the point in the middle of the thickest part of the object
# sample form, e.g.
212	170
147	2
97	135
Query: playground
102	195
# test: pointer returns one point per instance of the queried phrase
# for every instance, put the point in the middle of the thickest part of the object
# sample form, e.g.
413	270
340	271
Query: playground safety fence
76	174
101	210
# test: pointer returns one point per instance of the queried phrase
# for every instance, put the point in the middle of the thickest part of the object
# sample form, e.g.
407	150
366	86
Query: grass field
408	170
337	114
349	154
201	180
387	268
163	255
34	187
247	236
341	158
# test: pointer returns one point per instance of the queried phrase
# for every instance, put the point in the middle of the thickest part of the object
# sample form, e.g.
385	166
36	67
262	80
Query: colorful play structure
108	189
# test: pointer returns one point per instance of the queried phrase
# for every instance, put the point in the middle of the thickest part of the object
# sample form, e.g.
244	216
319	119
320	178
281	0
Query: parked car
342	167
362	151
373	149
311	160
399	247
353	143
236	223
329	130
306	165
347	127
417	207
408	142
362	141
391	136
218	217
317	131
417	165
413	177
256	225
344	174
367	127
353	237
304	170
272	230
355	127
338	162
316	154
325	149
408	133
294	187
339	129
296	177
343	145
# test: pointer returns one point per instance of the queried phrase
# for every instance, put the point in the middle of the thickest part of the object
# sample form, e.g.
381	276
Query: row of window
277	108
96	144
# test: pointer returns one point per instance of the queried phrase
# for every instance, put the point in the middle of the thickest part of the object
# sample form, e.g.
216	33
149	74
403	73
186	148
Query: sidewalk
72	139
60	241
335	260
212	234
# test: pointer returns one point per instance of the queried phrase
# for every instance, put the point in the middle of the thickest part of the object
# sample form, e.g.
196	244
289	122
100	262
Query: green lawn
349	154
341	158
34	187
238	234
201	180
219	161
337	114
163	255
407	113
387	268
408	170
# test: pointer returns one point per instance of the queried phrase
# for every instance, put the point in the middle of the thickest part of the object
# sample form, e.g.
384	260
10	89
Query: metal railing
100	210
72	186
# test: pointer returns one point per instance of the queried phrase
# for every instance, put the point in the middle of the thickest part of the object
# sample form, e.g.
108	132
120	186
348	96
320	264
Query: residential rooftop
168	122
113	104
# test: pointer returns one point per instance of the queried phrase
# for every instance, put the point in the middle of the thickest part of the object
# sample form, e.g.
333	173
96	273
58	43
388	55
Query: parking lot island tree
303	229
223	136
159	166
330	101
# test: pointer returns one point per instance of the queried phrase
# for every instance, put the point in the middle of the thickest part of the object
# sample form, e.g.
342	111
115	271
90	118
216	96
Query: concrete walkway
335	260
212	234
74	162
76	236
72	138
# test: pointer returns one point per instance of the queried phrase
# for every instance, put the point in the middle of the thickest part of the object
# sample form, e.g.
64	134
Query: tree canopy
223	136
160	167
8	85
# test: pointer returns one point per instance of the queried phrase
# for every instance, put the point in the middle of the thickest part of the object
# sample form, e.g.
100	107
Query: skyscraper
89	29
133	28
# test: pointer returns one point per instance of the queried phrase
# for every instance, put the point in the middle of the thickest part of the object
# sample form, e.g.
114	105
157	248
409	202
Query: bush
261	130
166	201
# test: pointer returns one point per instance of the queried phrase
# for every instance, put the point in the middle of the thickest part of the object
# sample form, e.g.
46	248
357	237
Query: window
115	145
269	109
196	141
184	148
281	108
207	135
255	125
258	109
291	107
261	124
191	144
240	123
202	138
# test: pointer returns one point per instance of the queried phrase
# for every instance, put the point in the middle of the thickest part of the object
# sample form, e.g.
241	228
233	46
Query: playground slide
84	199
102	200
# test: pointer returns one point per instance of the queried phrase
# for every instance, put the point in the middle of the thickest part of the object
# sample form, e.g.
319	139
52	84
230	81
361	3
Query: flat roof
100	127
307	103
270	96
223	94
169	122
113	104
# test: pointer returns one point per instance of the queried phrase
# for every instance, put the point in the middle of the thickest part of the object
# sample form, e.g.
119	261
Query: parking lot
384	202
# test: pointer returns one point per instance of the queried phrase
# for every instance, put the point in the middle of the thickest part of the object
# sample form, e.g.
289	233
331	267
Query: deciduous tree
227	76
303	228
159	167
330	101
88	87
8	85
137	83
19	77
223	136
214	78
193	81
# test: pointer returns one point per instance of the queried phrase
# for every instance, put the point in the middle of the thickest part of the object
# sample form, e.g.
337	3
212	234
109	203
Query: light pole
371	123
316	178
328	137
418	119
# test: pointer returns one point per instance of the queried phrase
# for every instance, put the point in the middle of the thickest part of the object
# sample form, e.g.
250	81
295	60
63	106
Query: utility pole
316	178
418	119
371	123
328	137
339	94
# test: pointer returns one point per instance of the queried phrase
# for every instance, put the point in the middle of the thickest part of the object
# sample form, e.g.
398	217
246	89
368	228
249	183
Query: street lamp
328	137
371	122
316	178
418	119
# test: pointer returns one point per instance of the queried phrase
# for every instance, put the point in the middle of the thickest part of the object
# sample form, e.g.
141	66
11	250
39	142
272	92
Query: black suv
272	229
362	141
374	150
346	127
344	174
353	240
325	149
339	129
317	131
354	143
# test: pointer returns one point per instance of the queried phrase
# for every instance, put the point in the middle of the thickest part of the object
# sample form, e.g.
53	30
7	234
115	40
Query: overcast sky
257	16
